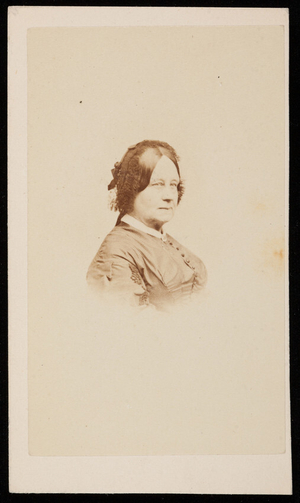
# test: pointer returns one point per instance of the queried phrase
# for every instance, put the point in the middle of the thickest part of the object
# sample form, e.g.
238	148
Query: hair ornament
117	167
115	173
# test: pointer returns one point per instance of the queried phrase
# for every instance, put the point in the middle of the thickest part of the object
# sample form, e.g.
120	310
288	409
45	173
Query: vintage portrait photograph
147	271
153	190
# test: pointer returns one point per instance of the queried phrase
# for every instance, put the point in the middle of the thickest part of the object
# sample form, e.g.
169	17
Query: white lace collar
142	227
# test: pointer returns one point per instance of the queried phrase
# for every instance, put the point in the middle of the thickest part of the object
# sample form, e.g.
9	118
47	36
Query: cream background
210	381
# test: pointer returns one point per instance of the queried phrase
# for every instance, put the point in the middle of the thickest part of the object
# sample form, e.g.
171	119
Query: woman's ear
180	189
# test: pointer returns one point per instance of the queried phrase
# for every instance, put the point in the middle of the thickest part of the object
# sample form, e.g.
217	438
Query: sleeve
117	277
200	276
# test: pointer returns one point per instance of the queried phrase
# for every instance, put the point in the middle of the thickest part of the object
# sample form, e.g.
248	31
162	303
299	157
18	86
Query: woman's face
156	204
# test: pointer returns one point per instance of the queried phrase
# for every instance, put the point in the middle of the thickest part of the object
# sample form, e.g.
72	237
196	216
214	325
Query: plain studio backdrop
206	380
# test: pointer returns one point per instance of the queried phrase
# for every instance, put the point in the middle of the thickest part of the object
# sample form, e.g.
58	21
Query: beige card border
216	474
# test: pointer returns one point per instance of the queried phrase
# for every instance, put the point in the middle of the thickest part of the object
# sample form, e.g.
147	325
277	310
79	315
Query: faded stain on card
271	259
261	207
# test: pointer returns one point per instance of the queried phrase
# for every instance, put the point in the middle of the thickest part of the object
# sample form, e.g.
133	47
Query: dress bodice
145	269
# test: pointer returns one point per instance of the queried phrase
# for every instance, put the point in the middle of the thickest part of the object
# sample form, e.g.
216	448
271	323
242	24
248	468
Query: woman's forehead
150	157
165	167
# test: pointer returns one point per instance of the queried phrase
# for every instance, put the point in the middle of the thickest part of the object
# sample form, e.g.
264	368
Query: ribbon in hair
116	171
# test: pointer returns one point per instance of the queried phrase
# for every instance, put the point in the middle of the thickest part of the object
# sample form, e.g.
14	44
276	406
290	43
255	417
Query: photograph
145	271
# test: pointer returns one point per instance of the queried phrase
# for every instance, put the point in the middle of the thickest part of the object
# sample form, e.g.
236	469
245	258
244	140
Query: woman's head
142	164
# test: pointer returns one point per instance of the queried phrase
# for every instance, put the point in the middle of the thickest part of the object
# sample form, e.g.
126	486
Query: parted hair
132	174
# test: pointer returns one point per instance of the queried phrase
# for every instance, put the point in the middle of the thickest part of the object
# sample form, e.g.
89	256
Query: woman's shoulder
114	240
120	240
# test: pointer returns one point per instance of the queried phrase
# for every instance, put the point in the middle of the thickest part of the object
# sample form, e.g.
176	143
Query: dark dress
141	269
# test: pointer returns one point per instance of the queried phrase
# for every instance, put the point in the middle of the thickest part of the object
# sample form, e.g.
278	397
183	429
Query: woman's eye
174	185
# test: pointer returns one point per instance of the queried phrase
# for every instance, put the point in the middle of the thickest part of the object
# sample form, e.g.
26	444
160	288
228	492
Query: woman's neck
157	226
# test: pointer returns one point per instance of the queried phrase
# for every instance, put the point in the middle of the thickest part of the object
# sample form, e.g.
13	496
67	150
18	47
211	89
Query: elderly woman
138	262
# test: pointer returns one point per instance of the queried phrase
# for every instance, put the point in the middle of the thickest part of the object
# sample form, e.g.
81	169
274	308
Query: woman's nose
167	194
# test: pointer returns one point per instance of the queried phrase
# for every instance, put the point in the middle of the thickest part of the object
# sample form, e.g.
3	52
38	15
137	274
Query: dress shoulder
119	242
114	271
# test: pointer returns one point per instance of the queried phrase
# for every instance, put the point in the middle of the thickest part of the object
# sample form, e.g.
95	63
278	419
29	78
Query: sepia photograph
146	271
149	178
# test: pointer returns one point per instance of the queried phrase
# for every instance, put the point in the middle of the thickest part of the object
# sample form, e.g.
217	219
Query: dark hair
132	174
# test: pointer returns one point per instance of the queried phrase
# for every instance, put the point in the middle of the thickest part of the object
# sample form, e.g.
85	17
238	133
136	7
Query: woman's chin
168	218
166	215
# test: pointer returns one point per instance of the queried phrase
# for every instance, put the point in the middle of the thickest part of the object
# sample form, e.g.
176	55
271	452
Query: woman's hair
132	174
